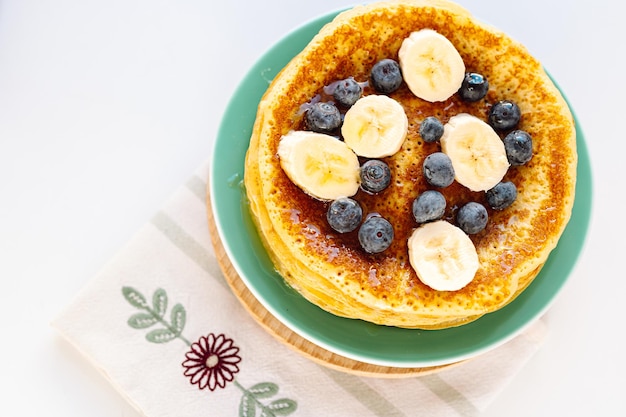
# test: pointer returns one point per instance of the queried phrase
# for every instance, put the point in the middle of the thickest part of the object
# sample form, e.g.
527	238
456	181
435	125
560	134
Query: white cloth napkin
161	324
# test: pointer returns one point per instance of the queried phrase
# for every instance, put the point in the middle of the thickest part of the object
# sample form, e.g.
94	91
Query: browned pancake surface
331	269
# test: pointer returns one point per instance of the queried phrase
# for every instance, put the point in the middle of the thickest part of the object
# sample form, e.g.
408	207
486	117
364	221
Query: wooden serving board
281	332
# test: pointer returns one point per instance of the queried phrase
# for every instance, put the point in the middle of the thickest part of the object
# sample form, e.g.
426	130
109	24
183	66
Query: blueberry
474	87
344	215
347	92
431	129
386	76
502	195
472	217
375	234
429	206
504	115
438	169
519	147
375	176
323	117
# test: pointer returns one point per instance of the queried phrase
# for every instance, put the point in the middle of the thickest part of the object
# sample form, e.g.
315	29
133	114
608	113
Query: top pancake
330	269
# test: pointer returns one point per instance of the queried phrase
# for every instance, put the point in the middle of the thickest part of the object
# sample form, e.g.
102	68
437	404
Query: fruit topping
502	195
375	234
375	176
386	76
443	257
474	87
375	126
472	217
519	147
431	129
438	170
321	165
346	92
476	151
344	215
431	66
322	117
504	115
428	206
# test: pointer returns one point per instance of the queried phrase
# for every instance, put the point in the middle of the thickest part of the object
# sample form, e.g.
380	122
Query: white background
107	106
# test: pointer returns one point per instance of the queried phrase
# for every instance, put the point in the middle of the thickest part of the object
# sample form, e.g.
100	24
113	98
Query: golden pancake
331	269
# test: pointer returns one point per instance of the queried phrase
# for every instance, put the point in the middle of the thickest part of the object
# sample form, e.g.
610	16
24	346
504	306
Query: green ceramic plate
359	340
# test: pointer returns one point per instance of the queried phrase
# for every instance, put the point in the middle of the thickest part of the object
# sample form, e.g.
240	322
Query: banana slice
375	126
321	165
431	66
443	256
477	153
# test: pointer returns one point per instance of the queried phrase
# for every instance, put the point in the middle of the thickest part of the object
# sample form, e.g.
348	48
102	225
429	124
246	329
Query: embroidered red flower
212	361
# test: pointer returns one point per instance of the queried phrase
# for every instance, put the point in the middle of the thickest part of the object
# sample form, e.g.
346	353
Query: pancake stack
331	269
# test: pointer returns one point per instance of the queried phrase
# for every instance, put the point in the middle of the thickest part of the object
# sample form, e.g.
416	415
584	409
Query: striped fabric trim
198	187
450	395
188	245
363	393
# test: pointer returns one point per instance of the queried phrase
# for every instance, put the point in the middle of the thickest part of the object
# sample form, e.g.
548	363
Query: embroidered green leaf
134	297
251	401
178	318
282	407
264	390
247	406
155	314
141	320
160	336
159	302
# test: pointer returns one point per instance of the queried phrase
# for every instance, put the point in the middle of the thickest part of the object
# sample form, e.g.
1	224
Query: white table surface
106	107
